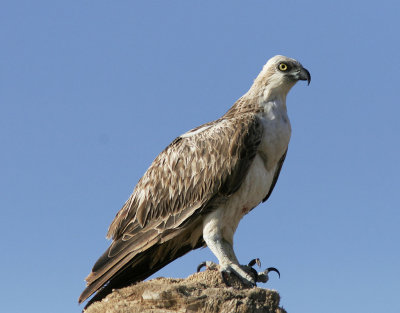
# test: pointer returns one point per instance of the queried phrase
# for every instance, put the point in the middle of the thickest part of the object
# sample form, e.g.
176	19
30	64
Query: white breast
277	132
256	185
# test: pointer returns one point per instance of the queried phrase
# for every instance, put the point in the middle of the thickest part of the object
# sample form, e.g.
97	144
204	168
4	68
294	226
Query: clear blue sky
92	91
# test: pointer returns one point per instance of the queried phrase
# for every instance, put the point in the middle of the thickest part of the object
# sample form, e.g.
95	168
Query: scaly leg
223	250
222	247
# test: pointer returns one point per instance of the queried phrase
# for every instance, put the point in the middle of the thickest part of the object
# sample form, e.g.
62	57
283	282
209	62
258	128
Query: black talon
201	265
273	269
224	279
255	261
255	274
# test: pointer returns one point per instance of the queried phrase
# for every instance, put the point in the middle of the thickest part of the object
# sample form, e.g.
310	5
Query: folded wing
184	182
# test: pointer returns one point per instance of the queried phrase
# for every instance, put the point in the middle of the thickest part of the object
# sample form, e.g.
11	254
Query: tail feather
111	260
96	284
135	267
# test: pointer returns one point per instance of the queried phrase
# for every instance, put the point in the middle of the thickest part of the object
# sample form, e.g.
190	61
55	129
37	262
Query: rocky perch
200	292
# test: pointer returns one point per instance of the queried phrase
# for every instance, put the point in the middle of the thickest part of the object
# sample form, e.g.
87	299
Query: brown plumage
171	195
195	174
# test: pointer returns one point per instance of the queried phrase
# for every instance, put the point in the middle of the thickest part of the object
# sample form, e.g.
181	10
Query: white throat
273	102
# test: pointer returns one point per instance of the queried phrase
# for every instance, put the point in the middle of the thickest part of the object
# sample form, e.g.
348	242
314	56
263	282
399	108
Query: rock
200	292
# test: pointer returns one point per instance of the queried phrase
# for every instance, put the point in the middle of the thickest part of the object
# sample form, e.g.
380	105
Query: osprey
197	190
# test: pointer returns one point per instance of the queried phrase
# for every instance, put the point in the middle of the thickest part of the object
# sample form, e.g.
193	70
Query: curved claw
224	279
273	269
255	261
201	265
255	274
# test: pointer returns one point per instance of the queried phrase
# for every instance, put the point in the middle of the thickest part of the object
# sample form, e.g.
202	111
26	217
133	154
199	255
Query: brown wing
190	171
276	175
180	185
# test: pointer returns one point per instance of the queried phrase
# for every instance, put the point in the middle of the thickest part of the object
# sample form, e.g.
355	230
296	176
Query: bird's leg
223	250
228	262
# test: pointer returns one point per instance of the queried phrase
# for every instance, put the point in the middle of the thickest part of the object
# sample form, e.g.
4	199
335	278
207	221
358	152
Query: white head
280	74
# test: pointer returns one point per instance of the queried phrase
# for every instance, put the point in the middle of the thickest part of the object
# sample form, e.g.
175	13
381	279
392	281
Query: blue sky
92	91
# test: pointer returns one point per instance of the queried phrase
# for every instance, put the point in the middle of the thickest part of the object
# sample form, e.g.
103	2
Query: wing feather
191	170
276	175
197	169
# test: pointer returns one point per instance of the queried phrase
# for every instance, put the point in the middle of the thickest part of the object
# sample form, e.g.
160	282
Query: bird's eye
283	67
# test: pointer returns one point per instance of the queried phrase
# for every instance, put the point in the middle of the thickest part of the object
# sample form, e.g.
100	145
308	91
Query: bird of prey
197	190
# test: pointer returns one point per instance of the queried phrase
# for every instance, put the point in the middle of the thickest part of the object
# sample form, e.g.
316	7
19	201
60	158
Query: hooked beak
304	74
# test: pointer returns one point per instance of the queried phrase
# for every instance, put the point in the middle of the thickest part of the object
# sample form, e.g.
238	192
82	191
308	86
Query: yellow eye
283	67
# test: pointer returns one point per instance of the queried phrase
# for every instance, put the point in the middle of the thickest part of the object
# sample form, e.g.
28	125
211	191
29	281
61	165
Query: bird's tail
130	269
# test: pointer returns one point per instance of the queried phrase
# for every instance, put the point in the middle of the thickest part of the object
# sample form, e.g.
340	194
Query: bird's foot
208	265
246	274
261	277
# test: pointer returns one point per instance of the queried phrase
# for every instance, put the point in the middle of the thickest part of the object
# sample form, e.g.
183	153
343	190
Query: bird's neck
259	100
272	100
268	98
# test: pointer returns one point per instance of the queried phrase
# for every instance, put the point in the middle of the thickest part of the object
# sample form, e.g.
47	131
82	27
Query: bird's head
280	74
